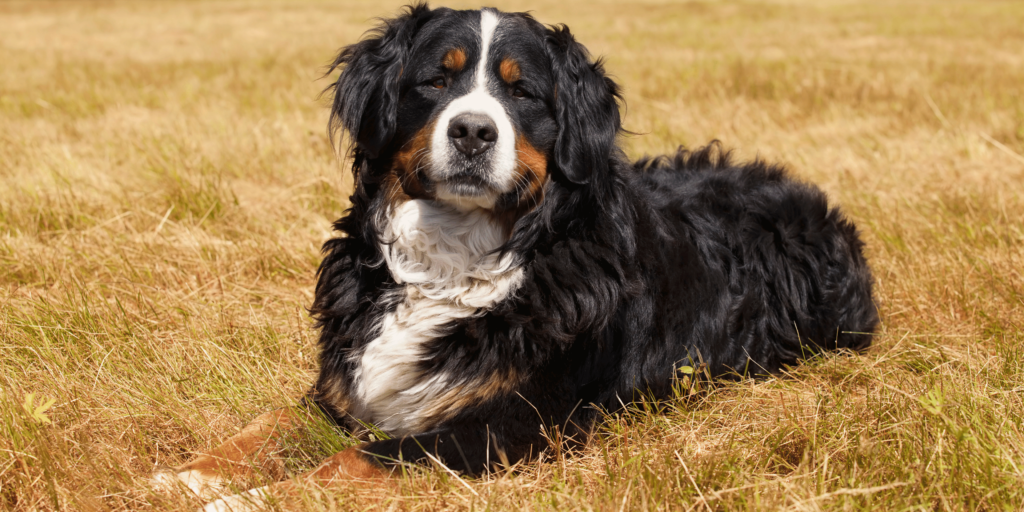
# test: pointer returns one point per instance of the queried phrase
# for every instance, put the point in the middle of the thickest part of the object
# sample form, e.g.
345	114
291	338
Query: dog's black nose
472	134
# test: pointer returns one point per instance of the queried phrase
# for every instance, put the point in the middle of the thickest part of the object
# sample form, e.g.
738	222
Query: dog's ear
586	108
367	91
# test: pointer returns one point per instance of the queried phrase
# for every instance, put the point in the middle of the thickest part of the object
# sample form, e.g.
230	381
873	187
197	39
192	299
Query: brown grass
166	181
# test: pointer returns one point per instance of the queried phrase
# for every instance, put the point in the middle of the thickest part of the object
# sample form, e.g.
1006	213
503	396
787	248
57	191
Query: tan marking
531	176
334	393
454	60
533	165
404	183
351	468
347	464
464	396
509	70
253	449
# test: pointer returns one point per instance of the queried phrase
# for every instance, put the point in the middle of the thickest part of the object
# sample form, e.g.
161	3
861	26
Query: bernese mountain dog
504	270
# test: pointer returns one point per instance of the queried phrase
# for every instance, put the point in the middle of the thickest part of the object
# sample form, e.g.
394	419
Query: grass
167	182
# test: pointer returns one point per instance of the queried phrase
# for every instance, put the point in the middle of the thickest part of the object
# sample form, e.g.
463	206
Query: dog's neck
447	253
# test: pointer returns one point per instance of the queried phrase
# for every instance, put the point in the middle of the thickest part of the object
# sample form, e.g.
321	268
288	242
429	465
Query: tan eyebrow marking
509	69
454	60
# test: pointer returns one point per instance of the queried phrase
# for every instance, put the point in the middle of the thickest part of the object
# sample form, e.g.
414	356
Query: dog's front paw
248	501
207	485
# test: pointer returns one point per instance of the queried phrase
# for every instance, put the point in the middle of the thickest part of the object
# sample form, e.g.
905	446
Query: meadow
166	181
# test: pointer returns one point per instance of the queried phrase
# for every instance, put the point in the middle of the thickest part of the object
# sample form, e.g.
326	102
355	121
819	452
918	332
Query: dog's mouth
467	184
465	189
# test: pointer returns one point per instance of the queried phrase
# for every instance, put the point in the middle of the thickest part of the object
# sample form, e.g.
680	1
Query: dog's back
737	267
759	270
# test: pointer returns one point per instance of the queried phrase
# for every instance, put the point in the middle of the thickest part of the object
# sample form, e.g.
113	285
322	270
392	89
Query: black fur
367	95
586	108
632	270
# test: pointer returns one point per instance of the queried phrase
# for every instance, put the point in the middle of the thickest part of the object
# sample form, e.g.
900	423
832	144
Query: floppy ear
586	107
366	93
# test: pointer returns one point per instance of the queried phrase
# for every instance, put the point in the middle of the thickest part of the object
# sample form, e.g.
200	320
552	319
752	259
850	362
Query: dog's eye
518	92
438	83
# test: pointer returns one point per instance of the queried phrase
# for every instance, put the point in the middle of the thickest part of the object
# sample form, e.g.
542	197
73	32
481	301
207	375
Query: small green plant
37	411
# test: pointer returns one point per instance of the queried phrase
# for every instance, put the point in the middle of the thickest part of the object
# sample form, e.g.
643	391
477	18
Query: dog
504	270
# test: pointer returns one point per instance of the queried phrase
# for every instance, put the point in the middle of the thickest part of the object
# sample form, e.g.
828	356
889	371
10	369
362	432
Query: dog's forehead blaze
454	59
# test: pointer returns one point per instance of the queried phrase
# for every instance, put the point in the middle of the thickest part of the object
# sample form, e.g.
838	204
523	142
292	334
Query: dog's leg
254	448
465	450
345	467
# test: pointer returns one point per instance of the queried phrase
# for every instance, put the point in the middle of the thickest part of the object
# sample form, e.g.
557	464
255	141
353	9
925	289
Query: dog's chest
443	257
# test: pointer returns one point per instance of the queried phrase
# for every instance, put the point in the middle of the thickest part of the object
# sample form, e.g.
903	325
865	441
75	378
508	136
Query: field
166	181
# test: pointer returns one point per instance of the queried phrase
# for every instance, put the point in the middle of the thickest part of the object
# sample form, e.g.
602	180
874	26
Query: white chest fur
443	257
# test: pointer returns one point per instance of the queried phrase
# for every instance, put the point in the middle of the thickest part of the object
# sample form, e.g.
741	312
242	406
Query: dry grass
167	181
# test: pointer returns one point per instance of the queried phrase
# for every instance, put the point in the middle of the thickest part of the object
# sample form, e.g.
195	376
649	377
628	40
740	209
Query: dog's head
479	109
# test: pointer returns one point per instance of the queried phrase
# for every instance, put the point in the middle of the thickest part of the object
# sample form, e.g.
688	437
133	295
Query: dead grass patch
167	181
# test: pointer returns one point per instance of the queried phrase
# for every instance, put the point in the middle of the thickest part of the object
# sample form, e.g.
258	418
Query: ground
166	181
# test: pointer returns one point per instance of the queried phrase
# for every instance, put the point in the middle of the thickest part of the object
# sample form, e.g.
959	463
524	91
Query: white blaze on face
502	157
